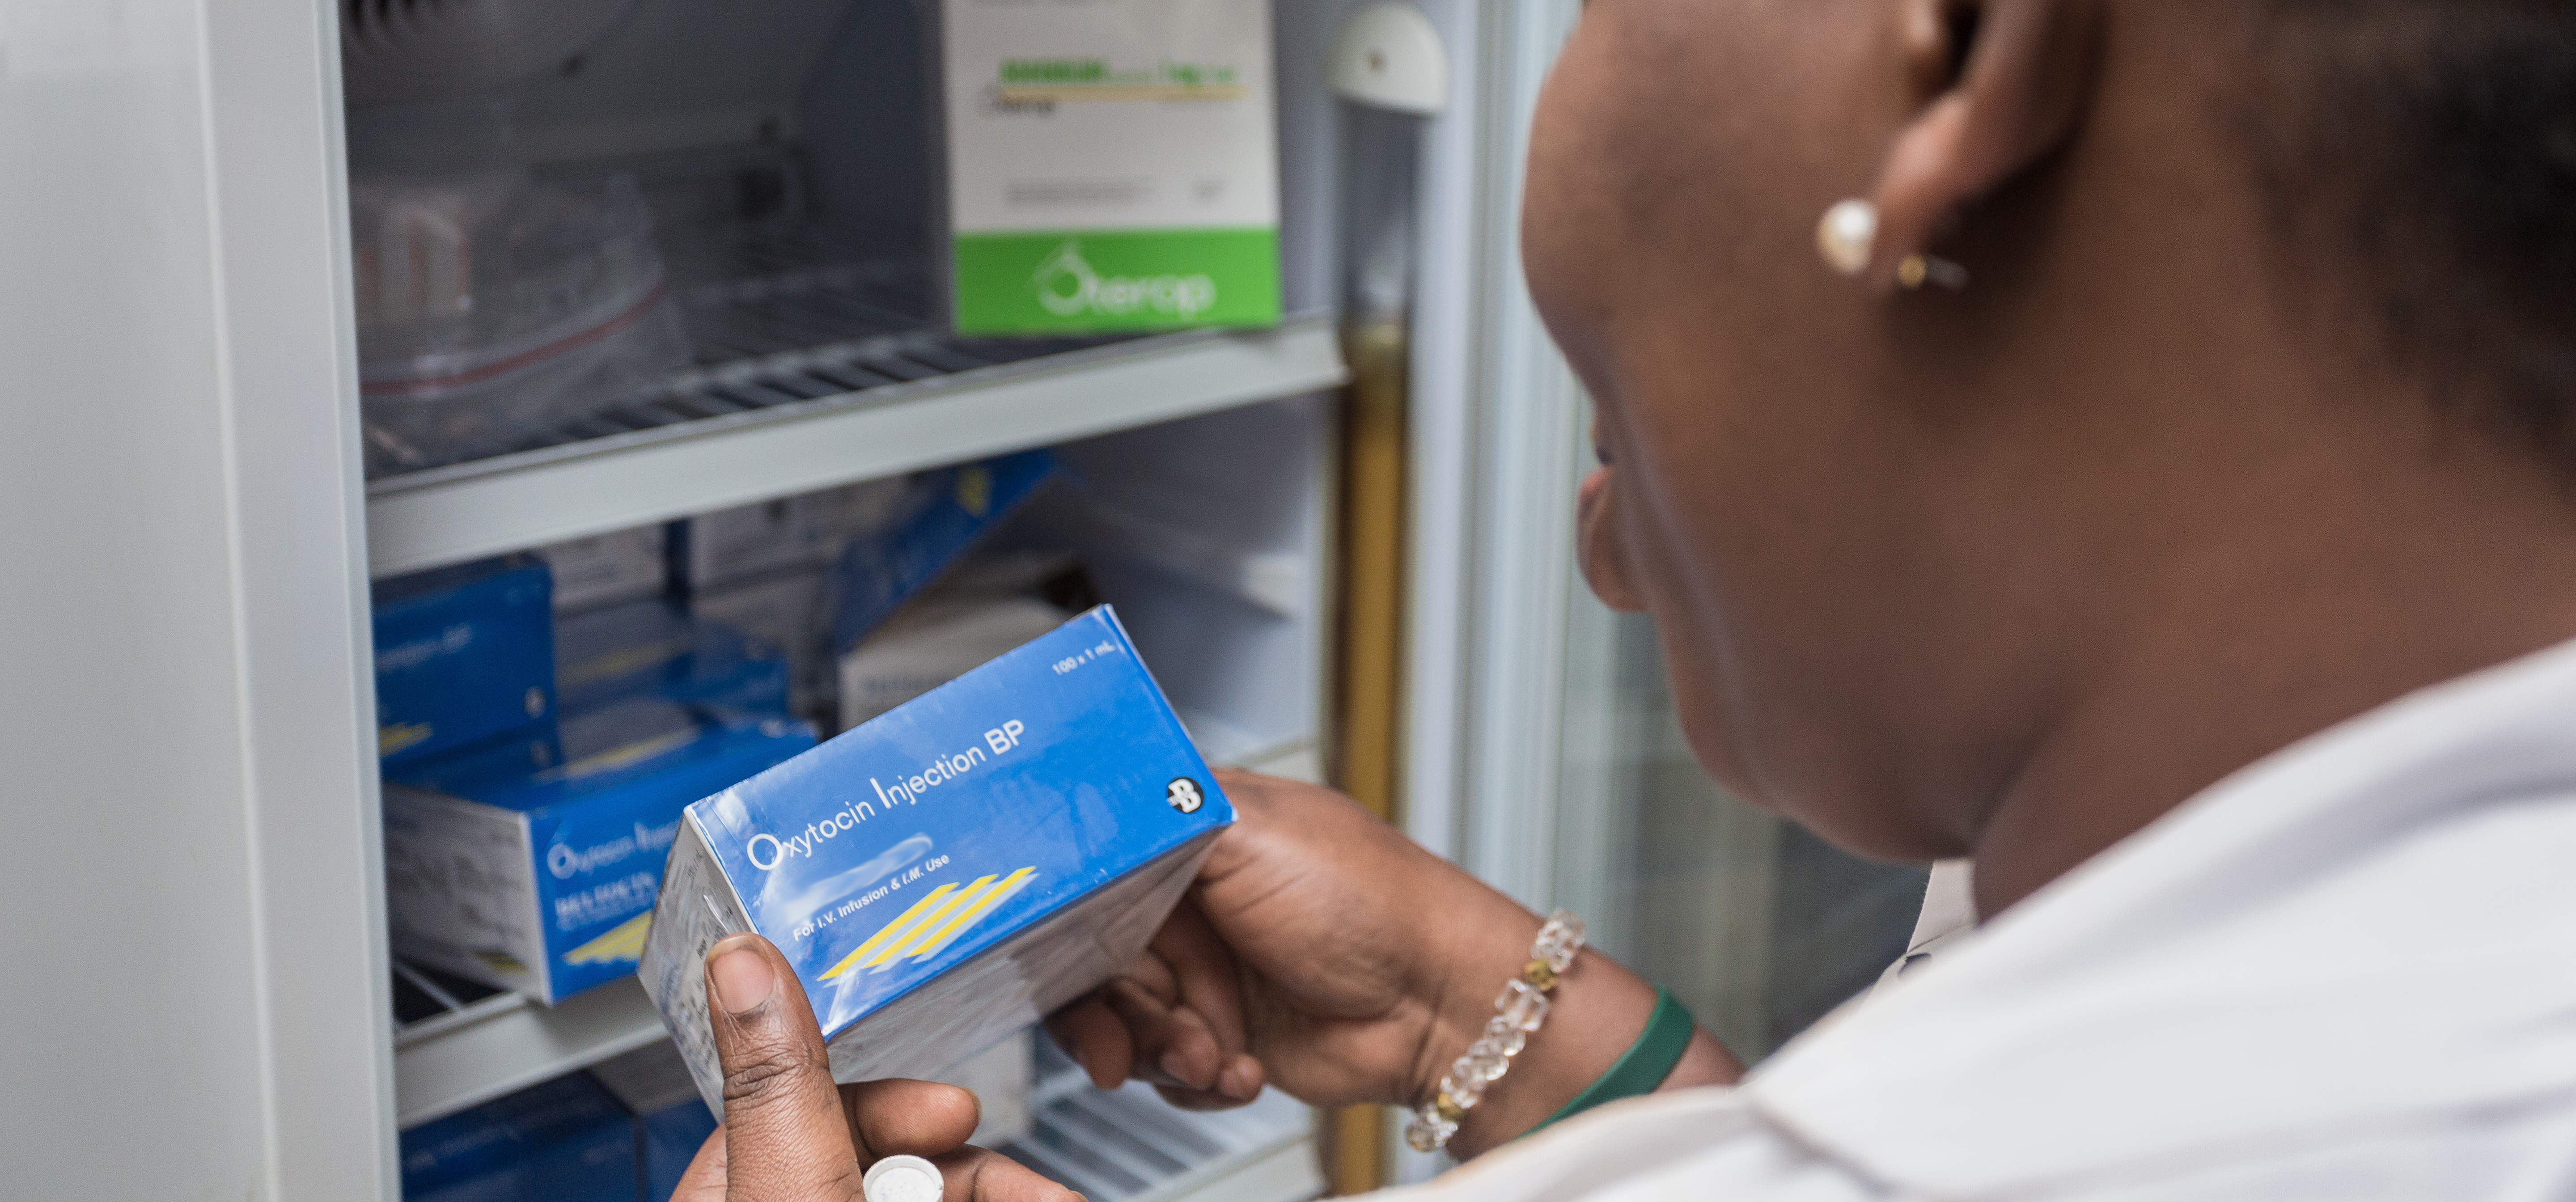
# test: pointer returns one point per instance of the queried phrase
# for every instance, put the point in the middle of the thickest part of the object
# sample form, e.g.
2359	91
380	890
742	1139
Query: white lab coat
2346	973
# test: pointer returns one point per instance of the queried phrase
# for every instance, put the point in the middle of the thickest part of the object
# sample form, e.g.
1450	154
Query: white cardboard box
784	610
932	642
621	565
745	541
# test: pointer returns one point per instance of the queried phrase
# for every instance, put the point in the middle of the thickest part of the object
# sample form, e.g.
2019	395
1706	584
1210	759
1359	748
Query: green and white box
1112	164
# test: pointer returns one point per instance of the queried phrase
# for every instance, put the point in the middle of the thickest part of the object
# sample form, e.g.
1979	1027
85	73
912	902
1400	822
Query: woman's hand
790	1135
1308	955
1323	952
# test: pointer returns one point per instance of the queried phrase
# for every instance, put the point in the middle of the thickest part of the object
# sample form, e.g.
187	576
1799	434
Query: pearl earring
1848	238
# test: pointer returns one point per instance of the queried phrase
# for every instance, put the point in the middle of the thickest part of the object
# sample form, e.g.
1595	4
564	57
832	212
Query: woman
2106	493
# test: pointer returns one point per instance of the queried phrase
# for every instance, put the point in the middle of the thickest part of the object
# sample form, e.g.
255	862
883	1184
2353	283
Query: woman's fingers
790	1135
786	1136
978	1175
1123	1030
908	1118
968	1174
1197	1099
1175	1047
1175	1018
1205	976
1090	1033
1172	1046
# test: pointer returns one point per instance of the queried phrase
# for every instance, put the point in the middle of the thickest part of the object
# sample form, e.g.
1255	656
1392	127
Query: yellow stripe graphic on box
621	757
625	941
930	923
966	917
900	925
400	735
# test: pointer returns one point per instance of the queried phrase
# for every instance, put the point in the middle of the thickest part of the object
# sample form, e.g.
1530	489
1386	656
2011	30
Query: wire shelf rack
775	320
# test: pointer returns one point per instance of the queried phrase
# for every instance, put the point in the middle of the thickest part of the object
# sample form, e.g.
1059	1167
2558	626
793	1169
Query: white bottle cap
902	1179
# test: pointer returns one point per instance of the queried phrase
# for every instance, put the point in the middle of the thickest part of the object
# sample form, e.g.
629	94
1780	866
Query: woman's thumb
786	1139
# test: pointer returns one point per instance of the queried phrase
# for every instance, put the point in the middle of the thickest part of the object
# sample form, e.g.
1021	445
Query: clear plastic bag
493	307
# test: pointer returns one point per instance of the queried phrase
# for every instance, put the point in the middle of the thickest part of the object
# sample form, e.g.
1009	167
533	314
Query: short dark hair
2431	145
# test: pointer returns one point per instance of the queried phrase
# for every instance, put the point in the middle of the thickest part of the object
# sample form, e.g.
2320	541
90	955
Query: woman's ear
2001	83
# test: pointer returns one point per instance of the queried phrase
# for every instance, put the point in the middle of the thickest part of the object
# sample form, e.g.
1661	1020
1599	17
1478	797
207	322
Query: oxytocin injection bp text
766	850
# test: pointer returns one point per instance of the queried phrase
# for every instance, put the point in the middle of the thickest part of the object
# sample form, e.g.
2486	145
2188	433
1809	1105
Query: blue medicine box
652	648
672	1137
463	654
564	1141
952	510
532	864
944	874
671	1123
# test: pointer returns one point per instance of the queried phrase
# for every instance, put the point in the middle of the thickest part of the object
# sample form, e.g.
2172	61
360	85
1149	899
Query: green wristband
1646	1064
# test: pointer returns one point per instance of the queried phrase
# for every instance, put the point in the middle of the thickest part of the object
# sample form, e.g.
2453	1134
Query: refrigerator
196	511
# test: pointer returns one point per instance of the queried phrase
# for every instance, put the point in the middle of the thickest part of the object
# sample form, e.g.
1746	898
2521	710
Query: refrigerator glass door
1757	925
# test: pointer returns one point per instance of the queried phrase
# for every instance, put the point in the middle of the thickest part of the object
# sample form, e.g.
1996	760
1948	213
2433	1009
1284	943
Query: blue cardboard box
564	1141
671	1123
542	879
463	654
944	874
672	1137
649	648
953	510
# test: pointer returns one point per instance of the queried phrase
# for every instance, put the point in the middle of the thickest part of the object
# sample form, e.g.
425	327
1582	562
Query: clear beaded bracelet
1517	1013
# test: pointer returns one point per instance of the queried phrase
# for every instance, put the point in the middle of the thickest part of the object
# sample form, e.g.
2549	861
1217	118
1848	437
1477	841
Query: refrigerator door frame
1452	200
194	561
1527	463
1495	435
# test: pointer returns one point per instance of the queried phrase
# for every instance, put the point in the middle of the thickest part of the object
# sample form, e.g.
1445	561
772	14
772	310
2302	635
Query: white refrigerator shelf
503	1043
798	420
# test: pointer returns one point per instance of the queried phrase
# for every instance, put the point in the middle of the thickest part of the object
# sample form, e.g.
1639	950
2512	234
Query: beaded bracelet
1517	1013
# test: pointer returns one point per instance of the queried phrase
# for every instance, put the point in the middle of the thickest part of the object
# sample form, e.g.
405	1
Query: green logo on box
1117	280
